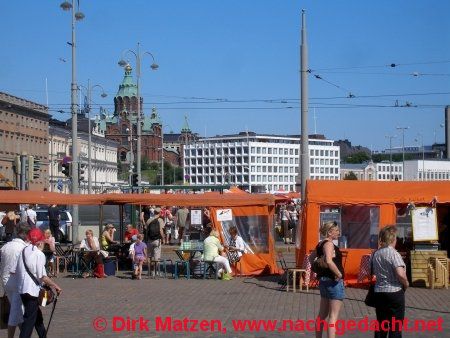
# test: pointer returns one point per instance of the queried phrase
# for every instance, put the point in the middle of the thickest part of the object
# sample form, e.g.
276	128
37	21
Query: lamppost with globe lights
76	16
153	66
89	89
403	148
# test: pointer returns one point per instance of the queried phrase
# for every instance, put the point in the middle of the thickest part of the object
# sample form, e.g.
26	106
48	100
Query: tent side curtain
254	225
207	200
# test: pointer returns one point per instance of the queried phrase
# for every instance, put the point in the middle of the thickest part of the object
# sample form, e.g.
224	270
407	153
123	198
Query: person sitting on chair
108	237
236	247
49	250
129	233
214	251
90	243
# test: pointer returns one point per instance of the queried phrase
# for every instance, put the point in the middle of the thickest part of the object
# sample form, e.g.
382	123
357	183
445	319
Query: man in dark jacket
54	217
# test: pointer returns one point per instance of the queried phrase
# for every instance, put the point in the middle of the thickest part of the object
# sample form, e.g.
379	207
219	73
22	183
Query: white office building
257	162
427	170
389	171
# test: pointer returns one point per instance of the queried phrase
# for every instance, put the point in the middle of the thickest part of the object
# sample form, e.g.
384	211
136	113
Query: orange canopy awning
207	200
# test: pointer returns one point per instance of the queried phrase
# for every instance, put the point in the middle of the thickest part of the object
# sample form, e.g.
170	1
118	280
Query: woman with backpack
331	278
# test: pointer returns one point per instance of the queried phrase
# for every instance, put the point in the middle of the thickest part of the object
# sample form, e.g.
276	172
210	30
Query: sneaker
227	276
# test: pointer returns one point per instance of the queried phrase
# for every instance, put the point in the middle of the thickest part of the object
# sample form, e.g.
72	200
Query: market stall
361	208
251	214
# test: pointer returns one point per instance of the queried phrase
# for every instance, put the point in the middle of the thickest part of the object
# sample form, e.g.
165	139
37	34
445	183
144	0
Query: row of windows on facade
324	178
214	180
315	170
240	161
389	177
395	168
269	178
23	121
316	161
258	151
237	179
429	175
20	137
218	170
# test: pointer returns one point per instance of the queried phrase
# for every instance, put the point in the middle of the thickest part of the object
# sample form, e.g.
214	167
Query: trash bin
110	267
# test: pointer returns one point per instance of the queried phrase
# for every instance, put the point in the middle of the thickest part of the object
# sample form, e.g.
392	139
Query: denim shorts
331	289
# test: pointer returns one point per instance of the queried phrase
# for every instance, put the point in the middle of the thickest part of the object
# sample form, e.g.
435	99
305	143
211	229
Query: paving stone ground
89	303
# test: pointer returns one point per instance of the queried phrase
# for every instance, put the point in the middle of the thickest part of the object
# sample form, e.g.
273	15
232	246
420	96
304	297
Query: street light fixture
403	149
423	155
153	66
131	170
76	16
89	89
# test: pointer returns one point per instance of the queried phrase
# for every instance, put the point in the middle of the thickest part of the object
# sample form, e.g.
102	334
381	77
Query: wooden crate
419	266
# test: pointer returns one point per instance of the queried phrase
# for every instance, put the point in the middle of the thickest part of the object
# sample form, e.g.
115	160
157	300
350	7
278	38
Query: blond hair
387	235
214	233
47	231
89	231
326	227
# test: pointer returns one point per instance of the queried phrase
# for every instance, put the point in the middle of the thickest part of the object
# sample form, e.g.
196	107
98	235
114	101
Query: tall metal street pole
89	140
423	156
89	97
138	120
403	149
131	170
74	111
162	155
304	153
153	66
390	155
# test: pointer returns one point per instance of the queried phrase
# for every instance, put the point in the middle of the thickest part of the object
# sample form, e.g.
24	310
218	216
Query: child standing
139	255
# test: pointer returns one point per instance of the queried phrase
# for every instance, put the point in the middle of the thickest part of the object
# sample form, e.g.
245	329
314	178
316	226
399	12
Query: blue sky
233	65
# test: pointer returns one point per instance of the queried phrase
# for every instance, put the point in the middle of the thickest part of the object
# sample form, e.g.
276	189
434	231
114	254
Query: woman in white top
236	247
91	244
285	218
28	287
49	250
391	281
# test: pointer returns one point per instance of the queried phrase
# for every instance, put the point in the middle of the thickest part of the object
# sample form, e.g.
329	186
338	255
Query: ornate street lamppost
76	16
138	55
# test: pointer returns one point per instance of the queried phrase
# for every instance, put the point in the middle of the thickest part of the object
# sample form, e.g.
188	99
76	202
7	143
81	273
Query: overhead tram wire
391	65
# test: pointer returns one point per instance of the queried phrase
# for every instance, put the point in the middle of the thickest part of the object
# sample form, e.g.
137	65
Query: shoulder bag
4	312
370	297
319	265
46	294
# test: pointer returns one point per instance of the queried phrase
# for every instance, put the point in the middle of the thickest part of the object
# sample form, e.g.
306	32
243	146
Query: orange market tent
357	203
252	214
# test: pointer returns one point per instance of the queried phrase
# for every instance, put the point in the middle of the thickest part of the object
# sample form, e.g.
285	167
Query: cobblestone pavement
89	302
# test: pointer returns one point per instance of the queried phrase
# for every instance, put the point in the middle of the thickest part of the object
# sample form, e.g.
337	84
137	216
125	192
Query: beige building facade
23	131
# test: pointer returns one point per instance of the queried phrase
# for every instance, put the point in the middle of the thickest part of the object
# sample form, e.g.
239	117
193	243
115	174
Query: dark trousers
32	317
54	227
387	306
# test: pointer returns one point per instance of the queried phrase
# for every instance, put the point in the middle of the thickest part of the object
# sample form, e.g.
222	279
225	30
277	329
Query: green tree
358	157
145	163
351	176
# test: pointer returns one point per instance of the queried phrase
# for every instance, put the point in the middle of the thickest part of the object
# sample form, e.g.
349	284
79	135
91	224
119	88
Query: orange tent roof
209	200
236	190
376	192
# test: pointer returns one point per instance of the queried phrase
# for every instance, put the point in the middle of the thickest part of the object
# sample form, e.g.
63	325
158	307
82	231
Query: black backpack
153	231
